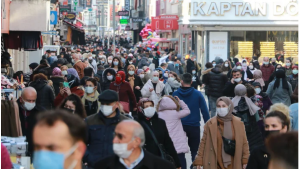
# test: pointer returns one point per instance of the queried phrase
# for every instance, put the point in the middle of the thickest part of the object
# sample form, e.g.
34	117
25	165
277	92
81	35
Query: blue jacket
196	102
294	115
163	71
100	136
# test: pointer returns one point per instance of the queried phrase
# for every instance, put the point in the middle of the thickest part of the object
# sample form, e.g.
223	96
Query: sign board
135	20
168	22
88	3
123	21
127	5
155	23
64	13
218	45
76	8
123	13
66	8
71	16
65	2
53	17
75	2
101	2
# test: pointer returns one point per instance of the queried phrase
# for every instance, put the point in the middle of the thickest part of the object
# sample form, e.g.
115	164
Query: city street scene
149	84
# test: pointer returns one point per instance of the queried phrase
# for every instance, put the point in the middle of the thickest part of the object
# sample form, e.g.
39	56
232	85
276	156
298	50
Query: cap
108	96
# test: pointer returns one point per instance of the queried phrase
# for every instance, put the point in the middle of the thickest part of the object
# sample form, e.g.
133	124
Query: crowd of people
140	108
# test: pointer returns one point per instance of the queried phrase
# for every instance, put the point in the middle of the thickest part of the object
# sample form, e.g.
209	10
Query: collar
134	163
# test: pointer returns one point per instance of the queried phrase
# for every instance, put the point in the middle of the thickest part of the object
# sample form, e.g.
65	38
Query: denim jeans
213	105
182	160
193	134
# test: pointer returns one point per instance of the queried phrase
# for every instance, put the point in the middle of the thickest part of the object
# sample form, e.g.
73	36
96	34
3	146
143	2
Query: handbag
164	154
229	145
125	106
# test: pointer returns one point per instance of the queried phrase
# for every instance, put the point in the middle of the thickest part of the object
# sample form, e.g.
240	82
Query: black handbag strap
155	140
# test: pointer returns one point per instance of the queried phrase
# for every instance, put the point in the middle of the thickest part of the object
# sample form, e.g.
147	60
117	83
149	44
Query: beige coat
207	153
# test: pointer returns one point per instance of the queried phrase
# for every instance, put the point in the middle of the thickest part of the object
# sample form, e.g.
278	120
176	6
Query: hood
216	70
186	92
38	84
108	70
166	103
207	71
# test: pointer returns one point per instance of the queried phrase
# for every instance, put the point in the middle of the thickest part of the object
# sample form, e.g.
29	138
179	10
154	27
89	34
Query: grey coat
280	95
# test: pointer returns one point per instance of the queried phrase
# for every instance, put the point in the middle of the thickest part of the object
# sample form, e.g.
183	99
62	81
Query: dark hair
208	65
283	148
235	70
128	59
93	80
76	100
250	90
285	121
88	71
187	78
44	62
175	75
40	76
120	65
163	64
76	125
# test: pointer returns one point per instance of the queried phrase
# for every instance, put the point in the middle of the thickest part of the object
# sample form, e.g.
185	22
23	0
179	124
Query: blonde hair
282	108
174	100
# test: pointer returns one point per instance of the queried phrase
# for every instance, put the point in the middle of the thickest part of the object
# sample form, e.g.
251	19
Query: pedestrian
129	61
244	108
117	64
294	116
191	123
172	84
280	90
273	75
155	127
257	75
128	143
293	79
233	82
208	69
191	62
265	98
90	97
44	68
135	82
196	80
26	76
108	76
247	73
252	68
226	67
267	69
56	78
89	73
168	109
148	74
78	65
110	61
275	122
73	72
273	61
73	105
101	127
66	134
288	67
224	144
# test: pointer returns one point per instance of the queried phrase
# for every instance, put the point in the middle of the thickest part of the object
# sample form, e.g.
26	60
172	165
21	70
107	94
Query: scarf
257	75
171	84
227	132
92	99
131	81
240	91
280	77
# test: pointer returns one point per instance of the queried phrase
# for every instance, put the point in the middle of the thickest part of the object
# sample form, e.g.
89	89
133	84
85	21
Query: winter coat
280	95
100	136
167	111
41	69
156	60
189	65
207	153
259	158
293	81
105	82
56	82
159	128
249	74
267	71
196	81
155	95
45	94
137	82
204	77
149	161
79	66
229	88
215	80
59	98
125	93
143	62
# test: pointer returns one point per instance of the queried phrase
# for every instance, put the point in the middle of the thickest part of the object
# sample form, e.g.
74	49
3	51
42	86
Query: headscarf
138	72
240	91
72	80
122	74
131	77
73	72
295	75
257	75
280	76
227	128
33	65
56	72
244	67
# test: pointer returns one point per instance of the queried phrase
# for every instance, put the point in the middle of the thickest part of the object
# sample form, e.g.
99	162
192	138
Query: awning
75	27
164	39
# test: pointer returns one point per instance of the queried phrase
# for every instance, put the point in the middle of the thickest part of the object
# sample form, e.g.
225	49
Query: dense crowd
141	108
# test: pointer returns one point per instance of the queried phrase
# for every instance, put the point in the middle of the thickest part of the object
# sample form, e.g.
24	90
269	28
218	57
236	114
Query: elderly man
267	69
59	141
78	65
27	113
127	145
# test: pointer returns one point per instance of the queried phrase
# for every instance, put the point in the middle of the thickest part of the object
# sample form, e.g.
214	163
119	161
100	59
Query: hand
137	87
176	97
178	168
151	90
232	80
244	166
68	91
202	85
62	91
248	79
135	109
199	167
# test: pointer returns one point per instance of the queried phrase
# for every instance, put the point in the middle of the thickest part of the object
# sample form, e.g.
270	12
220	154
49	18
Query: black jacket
149	161
229	88
56	81
42	69
259	158
160	130
156	60
189	65
196	81
215	80
45	94
106	83
137	82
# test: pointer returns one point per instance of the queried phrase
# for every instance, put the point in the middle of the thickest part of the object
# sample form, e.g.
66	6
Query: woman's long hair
175	75
75	99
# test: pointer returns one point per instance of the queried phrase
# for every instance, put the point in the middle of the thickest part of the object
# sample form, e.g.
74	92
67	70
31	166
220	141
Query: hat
56	72
108	96
158	52
147	69
139	71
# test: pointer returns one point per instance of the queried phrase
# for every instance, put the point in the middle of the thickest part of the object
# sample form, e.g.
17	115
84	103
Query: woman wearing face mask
273	75
275	122
213	152
265	98
148	118
117	64
73	72
251	67
214	63
293	79
110	61
172	84
280	89
56	78
135	82
108	76
226	67
128	62
169	110
102	60
141	74
245	109
124	89
90	97
64	69
73	105
247	75
257	75
288	67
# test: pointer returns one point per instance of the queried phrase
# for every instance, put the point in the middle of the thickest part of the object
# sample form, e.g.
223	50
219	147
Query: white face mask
257	90
149	112
142	75
64	73
239	67
166	74
131	72
237	80
109	61
222	112
251	67
171	79
155	79
244	64
130	62
106	110
226	65
287	64
120	149
110	77
89	90
194	72
29	106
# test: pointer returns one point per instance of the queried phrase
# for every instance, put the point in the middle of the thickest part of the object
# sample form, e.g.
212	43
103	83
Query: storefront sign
123	21
66	8
168	22
136	20
123	13
218	42
127	5
88	3
244	10
154	23
71	16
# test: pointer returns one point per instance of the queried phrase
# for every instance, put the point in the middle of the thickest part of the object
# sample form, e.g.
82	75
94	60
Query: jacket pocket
96	135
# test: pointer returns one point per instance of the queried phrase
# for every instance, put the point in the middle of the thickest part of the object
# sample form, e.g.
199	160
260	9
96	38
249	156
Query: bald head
28	94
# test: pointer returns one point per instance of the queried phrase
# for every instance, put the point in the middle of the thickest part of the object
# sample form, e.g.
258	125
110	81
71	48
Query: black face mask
269	133
69	110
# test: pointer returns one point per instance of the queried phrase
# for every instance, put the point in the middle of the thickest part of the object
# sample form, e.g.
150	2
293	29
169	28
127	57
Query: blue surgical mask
176	65
52	160
295	72
155	79
116	63
266	63
194	72
214	65
89	90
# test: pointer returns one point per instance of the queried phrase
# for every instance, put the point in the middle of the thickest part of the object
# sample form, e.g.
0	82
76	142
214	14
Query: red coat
267	71
59	98
125	92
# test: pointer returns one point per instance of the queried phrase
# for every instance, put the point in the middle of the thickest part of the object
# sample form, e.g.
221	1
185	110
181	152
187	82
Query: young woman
288	67
273	75
226	67
251	67
108	76
172	84
217	132
73	72
73	105
128	62
247	75
257	75
90	97
64	69
293	79
134	81
56	78
117	64
171	110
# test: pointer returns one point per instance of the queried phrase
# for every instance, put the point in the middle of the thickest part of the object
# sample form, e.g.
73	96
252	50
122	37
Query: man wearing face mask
28	111
267	69
59	141
235	80
191	62
149	119
101	127
128	145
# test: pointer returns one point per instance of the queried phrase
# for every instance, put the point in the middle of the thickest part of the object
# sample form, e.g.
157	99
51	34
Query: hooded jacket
105	82
167	111
45	94
215	82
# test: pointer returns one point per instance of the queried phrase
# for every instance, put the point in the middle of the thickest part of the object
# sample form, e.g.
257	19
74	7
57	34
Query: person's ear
80	151
137	142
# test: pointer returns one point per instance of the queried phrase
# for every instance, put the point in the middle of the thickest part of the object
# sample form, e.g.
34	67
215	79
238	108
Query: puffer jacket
45	94
105	82
204	77
167	111
215	81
